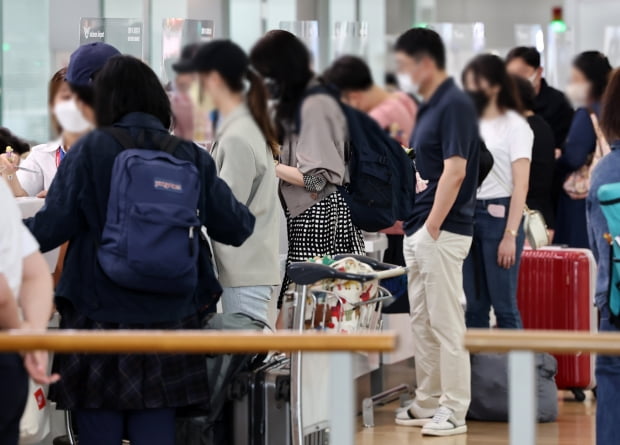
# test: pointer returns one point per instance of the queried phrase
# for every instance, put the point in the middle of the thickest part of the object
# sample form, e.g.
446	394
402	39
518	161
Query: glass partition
463	41
176	33
350	38
124	34
612	44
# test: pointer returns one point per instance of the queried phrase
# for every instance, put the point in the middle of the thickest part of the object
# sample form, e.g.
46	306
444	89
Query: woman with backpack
148	272
492	267
313	133
244	152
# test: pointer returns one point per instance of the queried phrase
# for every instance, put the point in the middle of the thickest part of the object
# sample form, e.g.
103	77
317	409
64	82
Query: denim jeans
249	300
608	391
486	283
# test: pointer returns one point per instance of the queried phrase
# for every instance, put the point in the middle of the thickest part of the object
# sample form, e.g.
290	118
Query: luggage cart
311	309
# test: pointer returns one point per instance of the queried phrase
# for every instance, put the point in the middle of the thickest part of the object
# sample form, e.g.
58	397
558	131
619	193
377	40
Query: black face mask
480	100
273	88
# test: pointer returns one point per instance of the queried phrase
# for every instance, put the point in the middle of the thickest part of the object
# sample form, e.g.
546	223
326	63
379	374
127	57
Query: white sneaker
414	416
444	423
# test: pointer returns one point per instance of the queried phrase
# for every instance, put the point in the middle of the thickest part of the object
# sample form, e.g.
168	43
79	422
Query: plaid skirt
325	228
127	382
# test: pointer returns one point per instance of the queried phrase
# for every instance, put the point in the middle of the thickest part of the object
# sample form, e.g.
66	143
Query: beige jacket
244	161
318	150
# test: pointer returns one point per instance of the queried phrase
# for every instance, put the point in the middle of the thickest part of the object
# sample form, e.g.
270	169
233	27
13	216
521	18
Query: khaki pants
437	318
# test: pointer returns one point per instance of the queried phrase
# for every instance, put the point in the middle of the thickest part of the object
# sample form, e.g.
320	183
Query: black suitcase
260	405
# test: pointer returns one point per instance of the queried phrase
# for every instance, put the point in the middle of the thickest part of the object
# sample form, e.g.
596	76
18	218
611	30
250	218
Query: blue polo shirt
447	126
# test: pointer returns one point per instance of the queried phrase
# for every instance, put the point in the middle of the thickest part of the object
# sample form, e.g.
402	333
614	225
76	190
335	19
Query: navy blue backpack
150	239
381	190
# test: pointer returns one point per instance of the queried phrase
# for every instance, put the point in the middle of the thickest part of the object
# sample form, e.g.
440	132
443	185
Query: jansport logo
169	186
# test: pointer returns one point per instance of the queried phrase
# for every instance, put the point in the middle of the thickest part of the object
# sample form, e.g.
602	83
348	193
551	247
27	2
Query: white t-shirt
42	160
16	242
508	138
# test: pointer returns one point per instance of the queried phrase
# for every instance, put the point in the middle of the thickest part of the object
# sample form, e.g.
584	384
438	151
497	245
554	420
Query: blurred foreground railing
340	346
521	346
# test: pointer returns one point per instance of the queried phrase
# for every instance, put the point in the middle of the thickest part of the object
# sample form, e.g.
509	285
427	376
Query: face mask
578	93
406	84
70	117
480	100
532	79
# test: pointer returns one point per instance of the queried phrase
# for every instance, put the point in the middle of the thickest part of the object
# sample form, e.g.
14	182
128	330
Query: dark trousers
608	391
13	394
141	427
486	283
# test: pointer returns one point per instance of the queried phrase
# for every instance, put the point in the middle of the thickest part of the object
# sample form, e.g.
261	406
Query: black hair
85	93
526	92
349	73
8	139
528	54
596	67
419	42
283	59
493	69
126	85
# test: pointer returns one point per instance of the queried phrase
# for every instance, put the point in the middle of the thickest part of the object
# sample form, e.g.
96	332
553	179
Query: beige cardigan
244	161
318	150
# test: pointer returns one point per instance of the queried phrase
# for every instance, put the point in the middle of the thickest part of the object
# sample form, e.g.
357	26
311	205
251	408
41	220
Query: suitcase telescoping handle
309	273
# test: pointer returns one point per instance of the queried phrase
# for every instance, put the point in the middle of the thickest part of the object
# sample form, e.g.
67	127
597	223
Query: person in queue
588	80
39	168
492	267
394	111
244	152
10	159
25	303
312	165
182	107
109	394
606	172
439	234
549	103
540	194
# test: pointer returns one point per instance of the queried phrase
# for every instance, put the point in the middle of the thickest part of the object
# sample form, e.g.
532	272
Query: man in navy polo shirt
439	234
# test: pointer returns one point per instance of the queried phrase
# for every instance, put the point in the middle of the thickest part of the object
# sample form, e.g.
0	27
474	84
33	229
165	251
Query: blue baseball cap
87	60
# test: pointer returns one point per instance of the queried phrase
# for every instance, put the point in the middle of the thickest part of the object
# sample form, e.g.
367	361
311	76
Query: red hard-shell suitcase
556	291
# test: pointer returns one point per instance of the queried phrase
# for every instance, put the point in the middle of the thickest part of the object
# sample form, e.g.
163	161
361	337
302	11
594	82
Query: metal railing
521	347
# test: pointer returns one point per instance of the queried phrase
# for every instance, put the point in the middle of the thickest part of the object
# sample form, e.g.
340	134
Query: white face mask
578	93
533	78
406	84
70	117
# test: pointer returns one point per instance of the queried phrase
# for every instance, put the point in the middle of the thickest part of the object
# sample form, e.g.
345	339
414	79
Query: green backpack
609	198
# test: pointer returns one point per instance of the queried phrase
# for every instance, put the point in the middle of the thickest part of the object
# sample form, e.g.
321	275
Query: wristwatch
511	232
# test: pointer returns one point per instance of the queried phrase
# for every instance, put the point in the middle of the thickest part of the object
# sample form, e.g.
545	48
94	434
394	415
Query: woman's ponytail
257	103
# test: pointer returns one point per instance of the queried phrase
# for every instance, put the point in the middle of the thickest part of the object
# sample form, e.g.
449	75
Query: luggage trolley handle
305	274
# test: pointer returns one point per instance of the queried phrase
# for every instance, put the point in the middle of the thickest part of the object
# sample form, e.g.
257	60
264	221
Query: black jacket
554	108
75	211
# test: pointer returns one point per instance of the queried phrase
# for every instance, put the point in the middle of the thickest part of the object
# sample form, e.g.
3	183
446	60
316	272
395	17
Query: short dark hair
126	85
349	73
493	69
610	118
84	93
528	54
596	67
526	92
423	42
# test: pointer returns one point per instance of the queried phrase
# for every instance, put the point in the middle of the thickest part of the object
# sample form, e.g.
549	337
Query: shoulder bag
577	185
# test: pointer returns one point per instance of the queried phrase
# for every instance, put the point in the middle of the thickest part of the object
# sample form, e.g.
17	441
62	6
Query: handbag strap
602	145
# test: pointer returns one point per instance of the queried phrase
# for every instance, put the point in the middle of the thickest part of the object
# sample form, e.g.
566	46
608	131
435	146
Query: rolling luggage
556	291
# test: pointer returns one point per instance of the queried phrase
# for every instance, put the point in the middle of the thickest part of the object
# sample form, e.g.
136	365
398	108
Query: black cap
222	56
185	64
87	60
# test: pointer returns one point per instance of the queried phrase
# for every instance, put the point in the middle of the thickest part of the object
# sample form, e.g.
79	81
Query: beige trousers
437	319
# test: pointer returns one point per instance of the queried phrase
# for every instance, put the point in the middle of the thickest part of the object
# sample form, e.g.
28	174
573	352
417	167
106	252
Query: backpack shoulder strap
169	143
123	137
